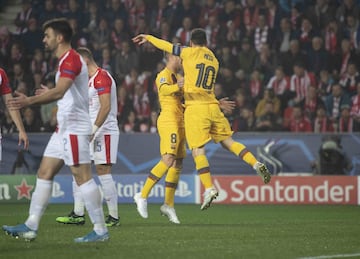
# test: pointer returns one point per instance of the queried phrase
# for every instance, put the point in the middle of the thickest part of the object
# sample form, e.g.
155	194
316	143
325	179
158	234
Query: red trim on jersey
107	148
74	148
102	82
71	65
4	83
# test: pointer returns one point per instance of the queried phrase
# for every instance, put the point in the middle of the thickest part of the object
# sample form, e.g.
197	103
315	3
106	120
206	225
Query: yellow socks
240	150
171	181
202	166
155	175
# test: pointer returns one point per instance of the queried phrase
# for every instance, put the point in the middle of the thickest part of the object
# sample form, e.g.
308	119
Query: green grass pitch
222	231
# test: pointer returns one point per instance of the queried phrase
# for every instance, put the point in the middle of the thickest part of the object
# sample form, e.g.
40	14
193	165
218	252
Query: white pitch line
330	256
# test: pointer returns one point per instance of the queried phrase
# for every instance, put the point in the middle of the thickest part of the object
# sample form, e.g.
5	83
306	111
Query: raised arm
158	43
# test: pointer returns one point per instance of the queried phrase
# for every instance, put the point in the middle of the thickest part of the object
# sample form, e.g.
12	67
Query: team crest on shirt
162	80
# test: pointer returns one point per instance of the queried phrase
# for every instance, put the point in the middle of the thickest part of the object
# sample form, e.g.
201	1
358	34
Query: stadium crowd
289	65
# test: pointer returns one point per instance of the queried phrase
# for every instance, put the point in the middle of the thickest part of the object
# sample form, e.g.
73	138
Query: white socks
110	194
79	206
93	204
39	202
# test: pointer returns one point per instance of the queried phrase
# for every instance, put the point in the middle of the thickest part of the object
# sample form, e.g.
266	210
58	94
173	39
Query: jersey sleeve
102	83
165	45
4	83
165	86
70	67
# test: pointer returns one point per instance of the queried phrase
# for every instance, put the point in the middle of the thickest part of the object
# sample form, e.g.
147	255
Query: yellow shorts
172	141
204	123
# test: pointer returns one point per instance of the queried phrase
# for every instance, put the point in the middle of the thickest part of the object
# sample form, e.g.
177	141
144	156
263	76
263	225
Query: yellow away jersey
200	70
170	98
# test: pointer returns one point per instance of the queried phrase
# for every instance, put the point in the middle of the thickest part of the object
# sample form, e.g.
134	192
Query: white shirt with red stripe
73	108
103	83
279	86
300	85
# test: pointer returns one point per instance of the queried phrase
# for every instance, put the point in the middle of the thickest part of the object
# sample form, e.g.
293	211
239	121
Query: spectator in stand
347	7
100	37
38	64
136	12
352	30
334	101
107	61
32	38
318	57
23	16
320	13
160	14
310	103
48	12
80	38
165	31
215	33
141	103
296	16
274	15
269	96
116	10
305	34
186	8
283	36
6	41
119	34
228	80
153	122
32	123
332	36
19	75
125	60
280	84
149	57
294	55
141	26
346	122
92	15
325	83
298	122
300	81
226	57
355	108
255	86
263	34
269	120
124	105
322	124
245	120
250	16
211	8
184	32
17	55
246	57
131	123
350	79
343	58
265	62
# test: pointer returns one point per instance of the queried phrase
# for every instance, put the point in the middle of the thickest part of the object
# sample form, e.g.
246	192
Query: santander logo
288	190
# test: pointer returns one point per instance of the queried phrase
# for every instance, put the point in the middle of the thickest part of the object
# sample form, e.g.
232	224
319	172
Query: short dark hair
61	26
85	52
198	37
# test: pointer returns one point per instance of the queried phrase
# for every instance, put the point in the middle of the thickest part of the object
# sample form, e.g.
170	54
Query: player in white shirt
104	144
69	144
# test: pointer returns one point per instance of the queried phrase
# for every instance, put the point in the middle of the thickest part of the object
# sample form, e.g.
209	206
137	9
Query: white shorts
72	148
104	148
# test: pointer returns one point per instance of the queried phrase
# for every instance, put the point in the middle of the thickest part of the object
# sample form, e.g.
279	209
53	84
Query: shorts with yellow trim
205	122
172	141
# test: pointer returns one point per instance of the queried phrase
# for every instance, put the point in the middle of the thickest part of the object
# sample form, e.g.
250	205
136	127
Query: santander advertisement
287	190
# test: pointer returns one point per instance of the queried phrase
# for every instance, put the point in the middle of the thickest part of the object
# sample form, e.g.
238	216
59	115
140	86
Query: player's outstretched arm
158	43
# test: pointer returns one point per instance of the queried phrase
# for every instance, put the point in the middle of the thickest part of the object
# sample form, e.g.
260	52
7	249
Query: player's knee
168	159
198	151
178	163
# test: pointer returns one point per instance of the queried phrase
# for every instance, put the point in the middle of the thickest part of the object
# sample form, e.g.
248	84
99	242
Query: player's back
170	101
103	83
200	71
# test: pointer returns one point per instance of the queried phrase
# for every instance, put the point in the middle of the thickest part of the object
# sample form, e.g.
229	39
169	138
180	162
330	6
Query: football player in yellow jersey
170	125
203	118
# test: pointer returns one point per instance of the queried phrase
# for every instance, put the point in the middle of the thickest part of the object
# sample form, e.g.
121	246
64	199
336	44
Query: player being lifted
104	141
203	118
